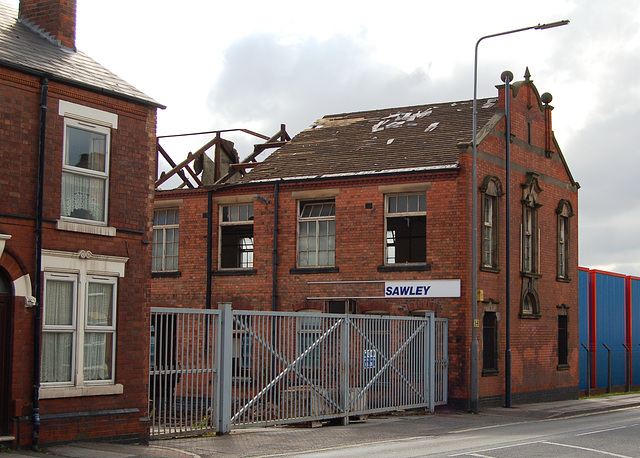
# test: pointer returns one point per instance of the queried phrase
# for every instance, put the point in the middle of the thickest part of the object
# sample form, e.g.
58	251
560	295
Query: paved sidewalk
279	441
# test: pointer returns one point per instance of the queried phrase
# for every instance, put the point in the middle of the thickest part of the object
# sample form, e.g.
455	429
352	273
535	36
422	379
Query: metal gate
268	368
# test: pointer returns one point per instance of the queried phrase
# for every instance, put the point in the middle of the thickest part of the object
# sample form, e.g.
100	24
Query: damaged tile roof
24	50
392	140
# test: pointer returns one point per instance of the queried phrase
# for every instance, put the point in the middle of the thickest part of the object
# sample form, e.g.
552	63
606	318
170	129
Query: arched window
491	190
564	212
530	231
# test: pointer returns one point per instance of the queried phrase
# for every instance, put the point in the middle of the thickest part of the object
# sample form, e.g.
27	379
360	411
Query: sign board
369	359
422	288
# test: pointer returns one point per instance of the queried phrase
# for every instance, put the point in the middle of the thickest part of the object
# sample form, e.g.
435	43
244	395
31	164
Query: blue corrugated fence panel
635	330
610	327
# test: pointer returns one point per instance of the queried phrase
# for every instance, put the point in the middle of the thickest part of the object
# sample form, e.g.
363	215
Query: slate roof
393	140
23	49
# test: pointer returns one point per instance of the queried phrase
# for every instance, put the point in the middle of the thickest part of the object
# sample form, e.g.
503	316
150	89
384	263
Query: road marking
586	449
495	448
601	431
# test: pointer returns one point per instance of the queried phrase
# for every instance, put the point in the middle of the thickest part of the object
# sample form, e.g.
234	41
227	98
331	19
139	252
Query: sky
256	65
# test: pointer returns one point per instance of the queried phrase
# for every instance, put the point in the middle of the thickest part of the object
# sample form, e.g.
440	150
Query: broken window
406	229
490	342
317	234
236	236
165	240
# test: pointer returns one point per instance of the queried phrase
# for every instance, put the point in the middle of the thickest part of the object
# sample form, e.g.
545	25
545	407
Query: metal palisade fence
213	370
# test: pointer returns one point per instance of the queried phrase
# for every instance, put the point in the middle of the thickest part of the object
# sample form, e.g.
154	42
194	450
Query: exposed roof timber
276	141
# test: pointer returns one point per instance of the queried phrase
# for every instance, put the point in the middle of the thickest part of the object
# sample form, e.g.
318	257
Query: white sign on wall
422	288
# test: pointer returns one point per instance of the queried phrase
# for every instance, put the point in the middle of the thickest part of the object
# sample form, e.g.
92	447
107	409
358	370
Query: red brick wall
55	17
132	171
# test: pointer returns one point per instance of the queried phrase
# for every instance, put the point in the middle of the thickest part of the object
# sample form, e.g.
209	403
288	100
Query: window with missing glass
316	233
405	221
236	236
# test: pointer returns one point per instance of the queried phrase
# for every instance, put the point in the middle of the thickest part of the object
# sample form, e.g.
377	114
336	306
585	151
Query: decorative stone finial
527	75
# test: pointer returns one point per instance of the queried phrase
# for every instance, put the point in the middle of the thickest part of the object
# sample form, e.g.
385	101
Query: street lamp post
474	217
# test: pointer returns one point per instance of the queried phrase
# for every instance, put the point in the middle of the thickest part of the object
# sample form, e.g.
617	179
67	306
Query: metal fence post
588	369
608	368
344	364
224	369
628	364
431	356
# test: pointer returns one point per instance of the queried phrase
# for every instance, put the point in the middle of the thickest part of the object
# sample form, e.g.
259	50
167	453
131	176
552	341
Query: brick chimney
53	19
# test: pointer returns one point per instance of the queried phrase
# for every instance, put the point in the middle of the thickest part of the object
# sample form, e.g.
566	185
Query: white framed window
236	236
85	171
406	228
166	232
79	324
78	345
316	233
85	164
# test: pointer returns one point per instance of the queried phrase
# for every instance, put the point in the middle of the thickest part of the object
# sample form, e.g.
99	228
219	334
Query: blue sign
369	359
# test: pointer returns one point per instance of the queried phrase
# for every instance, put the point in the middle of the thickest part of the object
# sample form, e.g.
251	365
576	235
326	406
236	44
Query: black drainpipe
44	88
274	290
209	244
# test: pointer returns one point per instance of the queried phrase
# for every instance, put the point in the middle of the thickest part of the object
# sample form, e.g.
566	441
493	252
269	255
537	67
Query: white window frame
72	170
246	255
175	227
95	120
83	268
316	221
390	248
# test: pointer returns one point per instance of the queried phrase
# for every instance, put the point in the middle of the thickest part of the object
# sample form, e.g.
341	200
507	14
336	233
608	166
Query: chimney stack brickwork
56	19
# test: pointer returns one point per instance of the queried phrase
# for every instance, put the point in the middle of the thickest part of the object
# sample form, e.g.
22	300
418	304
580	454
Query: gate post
431	358
344	364
224	367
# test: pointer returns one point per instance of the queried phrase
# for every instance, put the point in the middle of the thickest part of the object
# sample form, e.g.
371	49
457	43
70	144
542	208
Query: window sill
227	272
490	372
71	226
530	275
563	279
563	367
314	270
78	391
495	270
404	268
530	316
166	274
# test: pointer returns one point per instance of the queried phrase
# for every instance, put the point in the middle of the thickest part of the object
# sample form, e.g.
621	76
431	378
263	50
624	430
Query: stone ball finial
546	98
506	75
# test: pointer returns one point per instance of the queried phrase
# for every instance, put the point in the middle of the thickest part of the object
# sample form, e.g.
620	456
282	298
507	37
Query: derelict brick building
370	212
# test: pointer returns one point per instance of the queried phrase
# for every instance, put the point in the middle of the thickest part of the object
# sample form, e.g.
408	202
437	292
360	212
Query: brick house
77	146
370	212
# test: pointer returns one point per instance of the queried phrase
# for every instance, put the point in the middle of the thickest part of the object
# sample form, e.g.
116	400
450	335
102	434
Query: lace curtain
83	197
57	345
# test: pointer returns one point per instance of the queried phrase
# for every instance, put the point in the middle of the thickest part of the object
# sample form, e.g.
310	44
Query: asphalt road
615	433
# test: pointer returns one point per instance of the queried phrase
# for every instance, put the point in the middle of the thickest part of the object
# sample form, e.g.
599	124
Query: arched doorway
5	351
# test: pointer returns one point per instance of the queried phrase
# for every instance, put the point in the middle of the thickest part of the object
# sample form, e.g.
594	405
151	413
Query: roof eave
42	74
